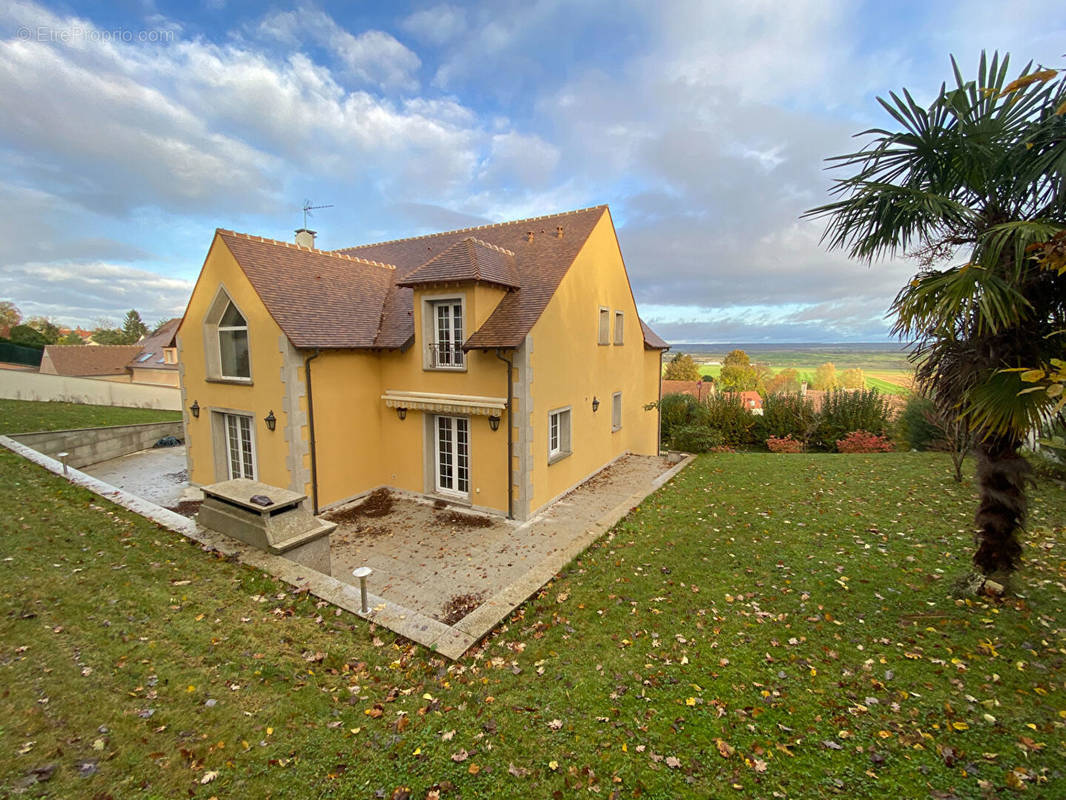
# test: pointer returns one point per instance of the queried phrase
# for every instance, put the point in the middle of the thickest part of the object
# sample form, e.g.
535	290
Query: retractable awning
446	403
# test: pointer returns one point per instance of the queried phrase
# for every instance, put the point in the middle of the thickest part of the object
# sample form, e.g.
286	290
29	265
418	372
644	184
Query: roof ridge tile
489	245
472	228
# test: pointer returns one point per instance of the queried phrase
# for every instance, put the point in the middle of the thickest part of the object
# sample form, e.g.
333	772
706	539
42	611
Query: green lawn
21	416
775	624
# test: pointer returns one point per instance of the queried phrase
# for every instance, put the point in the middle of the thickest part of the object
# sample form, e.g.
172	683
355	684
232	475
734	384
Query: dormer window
446	346
233	344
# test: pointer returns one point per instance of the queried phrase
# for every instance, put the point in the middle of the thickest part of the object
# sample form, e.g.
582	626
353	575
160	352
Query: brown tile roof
541	259
151	347
87	359
467	260
699	389
318	298
360	297
651	338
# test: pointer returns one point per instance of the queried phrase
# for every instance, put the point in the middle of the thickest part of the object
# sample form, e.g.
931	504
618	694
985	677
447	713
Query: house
108	362
156	361
153	360
752	402
701	390
496	367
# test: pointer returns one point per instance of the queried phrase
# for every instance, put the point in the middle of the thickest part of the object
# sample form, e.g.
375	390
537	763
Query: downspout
510	434
659	409
311	430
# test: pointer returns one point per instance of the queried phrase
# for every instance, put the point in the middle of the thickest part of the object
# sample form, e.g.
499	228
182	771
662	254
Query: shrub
844	412
785	444
865	442
787	415
917	425
695	438
725	413
675	411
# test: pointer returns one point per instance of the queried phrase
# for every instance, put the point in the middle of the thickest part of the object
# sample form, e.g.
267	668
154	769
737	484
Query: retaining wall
17	385
93	445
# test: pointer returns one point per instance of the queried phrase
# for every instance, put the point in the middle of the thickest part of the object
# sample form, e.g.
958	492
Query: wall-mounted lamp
494	422
271	420
195	409
595	405
401	412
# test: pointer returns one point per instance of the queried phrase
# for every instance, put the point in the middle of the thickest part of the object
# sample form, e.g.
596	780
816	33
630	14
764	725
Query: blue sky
129	133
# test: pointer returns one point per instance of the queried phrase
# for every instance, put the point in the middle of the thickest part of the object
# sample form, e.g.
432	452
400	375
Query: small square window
605	326
558	434
616	411
619	323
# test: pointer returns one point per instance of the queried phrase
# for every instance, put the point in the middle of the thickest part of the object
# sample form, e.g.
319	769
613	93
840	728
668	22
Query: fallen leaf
208	777
461	756
555	724
725	750
673	762
518	772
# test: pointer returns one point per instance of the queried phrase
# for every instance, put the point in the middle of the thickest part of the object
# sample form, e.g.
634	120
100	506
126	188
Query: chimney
305	238
529	236
559	232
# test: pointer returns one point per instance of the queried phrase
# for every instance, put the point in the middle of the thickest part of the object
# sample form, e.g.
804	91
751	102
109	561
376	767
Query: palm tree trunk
1002	476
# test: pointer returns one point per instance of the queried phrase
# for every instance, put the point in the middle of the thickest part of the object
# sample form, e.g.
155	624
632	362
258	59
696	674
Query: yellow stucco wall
569	368
485	376
263	394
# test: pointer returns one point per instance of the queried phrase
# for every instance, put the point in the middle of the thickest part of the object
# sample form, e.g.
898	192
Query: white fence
18	385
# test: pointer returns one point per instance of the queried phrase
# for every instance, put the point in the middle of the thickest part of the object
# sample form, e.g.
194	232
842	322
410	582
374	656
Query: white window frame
213	341
220	329
616	412
560	434
455	425
246	460
605	326
431	329
619	327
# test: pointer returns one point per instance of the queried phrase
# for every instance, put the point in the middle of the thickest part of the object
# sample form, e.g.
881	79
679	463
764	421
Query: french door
240	450
453	455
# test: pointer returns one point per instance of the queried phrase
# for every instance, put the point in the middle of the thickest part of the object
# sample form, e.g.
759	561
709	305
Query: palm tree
976	176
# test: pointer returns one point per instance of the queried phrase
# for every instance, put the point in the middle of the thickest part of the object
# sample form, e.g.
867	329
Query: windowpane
553	444
239	452
616	411
233	350
462	455
446	348
232	318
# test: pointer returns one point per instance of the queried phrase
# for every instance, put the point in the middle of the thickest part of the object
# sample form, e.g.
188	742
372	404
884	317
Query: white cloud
81	293
374	58
436	25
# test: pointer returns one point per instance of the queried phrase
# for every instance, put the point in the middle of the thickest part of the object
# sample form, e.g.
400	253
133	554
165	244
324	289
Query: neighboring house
420	364
701	390
157	358
752	402
102	362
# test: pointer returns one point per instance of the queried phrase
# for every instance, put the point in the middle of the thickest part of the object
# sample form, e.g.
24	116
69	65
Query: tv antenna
308	208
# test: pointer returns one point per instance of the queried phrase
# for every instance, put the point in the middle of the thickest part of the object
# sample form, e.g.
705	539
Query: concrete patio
423	556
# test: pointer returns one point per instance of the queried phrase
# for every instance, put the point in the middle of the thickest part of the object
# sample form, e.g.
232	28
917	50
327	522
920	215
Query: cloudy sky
127	135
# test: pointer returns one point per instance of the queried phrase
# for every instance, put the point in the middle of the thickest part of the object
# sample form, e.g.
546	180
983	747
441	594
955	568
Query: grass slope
775	624
24	416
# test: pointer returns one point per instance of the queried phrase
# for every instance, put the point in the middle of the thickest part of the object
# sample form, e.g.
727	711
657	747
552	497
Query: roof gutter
311	430
510	432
